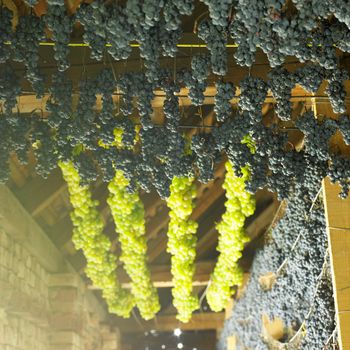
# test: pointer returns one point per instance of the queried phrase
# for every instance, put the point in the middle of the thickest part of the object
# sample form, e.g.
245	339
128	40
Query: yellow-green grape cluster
239	205
88	236
128	214
182	245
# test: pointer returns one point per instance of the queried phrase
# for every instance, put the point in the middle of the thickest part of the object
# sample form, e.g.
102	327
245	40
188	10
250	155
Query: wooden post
231	343
337	212
229	309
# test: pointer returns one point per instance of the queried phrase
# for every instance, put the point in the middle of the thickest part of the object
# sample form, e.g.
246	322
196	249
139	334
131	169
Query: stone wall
45	311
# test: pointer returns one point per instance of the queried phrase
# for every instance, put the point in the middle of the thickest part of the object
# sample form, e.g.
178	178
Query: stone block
110	345
66	338
67	322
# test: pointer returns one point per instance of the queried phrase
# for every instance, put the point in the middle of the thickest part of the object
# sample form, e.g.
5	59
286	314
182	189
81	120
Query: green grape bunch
239	205
128	213
182	245
88	236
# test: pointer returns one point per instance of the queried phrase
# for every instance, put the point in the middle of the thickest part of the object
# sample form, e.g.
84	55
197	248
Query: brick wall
43	311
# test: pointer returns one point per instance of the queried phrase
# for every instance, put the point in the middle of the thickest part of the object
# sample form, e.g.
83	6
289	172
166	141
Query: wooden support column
337	212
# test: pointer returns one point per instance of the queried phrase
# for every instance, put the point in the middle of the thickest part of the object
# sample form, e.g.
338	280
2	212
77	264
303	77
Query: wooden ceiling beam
199	322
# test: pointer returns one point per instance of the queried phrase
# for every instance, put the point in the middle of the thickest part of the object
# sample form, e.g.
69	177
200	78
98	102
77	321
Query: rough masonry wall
43	311
23	298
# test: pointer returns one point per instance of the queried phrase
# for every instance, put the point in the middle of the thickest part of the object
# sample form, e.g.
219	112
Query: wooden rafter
162	278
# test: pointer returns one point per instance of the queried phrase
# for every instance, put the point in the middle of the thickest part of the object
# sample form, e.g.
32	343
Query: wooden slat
338	229
162	278
199	322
